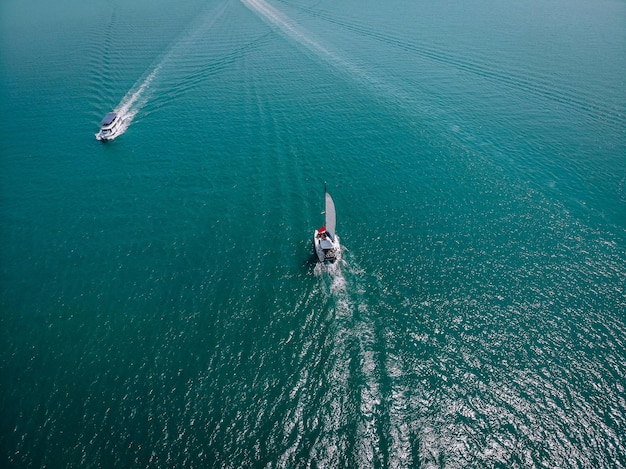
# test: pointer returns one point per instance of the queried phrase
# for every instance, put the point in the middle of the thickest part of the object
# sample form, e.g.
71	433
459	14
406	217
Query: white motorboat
110	127
325	240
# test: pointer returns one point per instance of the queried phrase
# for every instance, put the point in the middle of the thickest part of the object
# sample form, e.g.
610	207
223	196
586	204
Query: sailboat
325	240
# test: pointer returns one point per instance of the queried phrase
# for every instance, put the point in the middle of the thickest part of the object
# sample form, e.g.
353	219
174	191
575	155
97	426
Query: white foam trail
127	108
355	324
139	95
400	445
392	94
286	25
134	94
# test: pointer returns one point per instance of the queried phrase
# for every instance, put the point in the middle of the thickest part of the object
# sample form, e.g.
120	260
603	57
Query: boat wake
348	68
353	367
141	92
289	27
531	82
135	99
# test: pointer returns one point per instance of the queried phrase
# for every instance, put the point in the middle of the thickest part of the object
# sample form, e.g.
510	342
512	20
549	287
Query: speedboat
110	127
325	240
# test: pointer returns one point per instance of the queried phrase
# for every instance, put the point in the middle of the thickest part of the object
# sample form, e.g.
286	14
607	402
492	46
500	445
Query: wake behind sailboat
325	240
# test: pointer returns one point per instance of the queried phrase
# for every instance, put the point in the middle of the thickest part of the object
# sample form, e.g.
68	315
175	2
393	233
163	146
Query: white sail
331	216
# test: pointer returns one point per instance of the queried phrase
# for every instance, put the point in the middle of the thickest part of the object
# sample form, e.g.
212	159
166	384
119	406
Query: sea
161	305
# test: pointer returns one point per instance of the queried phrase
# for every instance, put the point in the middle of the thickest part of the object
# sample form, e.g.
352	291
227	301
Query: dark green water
160	305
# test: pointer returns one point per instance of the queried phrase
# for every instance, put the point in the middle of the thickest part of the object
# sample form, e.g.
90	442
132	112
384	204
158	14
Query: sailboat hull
327	250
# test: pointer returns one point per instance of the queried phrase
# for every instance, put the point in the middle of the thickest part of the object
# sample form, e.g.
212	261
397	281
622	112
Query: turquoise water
160	301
